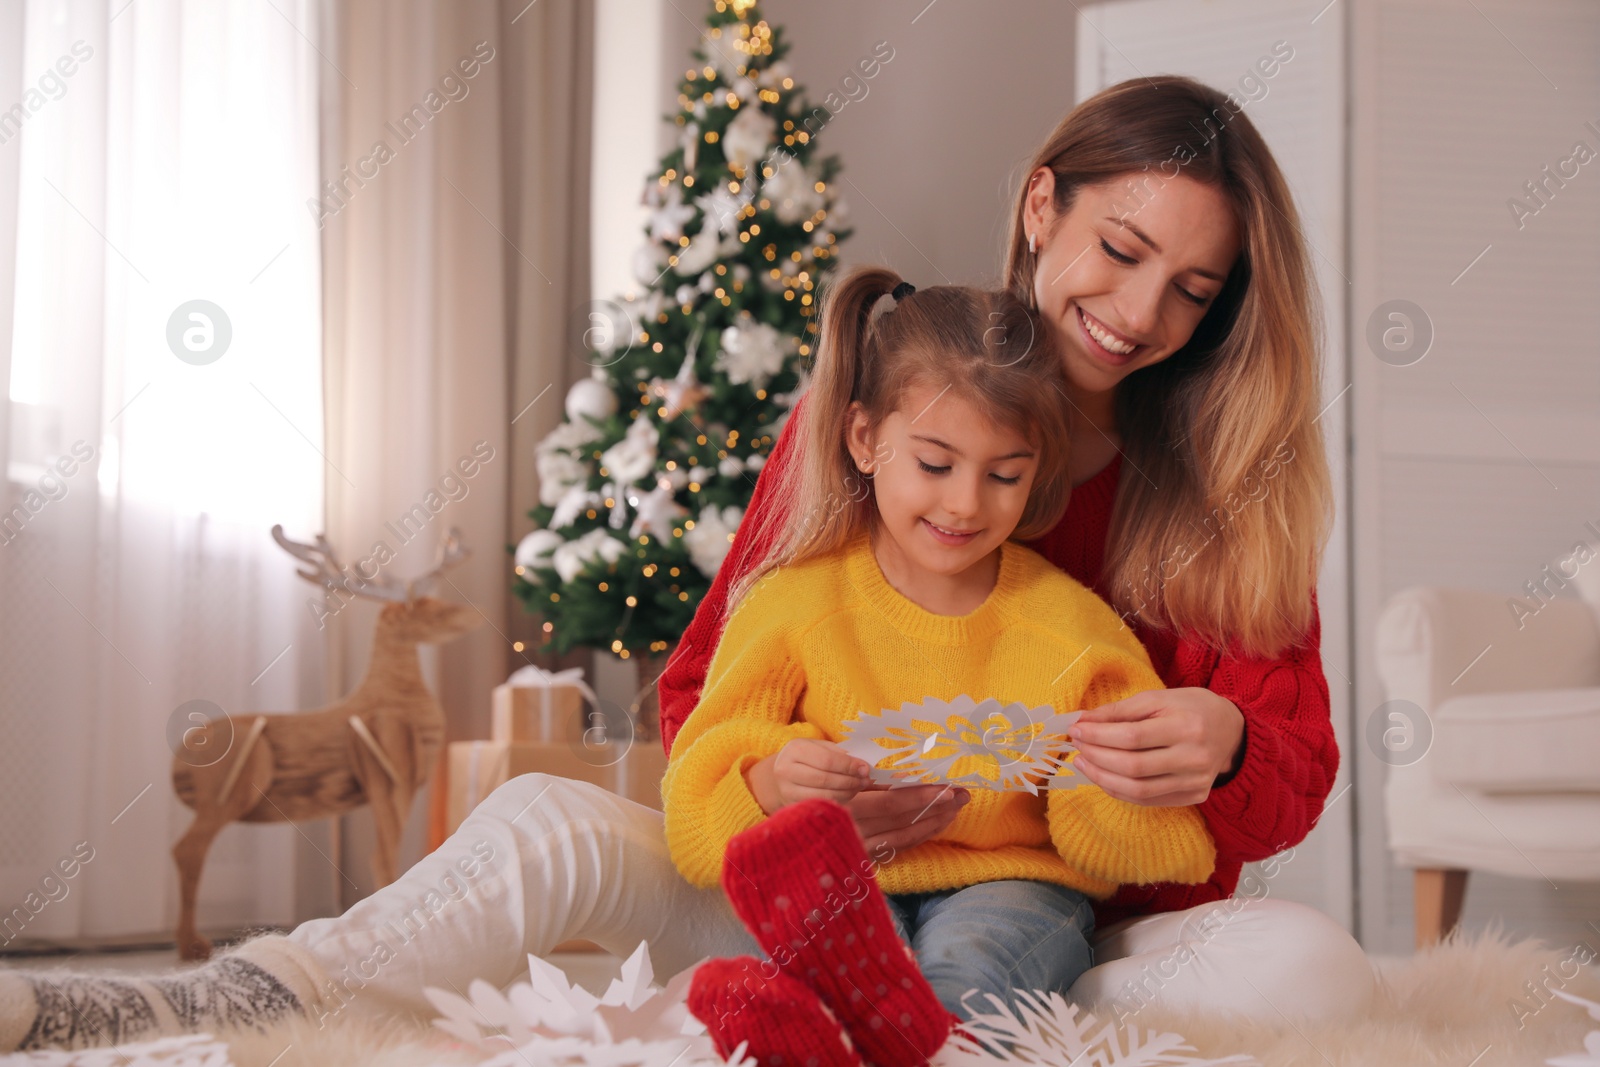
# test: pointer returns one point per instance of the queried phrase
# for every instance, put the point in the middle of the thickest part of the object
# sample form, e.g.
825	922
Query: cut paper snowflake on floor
1044	1029
1009	747
1590	1056
190	1050
551	1022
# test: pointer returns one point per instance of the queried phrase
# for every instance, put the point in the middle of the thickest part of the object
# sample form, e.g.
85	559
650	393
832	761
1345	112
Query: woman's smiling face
1125	287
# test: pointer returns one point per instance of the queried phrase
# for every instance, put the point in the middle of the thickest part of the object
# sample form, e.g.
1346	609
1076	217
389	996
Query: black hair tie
904	289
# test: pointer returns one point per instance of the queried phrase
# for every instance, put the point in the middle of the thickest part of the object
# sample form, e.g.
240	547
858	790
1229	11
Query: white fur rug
1466	1003
1455	1005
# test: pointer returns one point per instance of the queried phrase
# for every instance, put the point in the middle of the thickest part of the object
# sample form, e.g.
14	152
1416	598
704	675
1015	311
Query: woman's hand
1163	747
905	817
806	769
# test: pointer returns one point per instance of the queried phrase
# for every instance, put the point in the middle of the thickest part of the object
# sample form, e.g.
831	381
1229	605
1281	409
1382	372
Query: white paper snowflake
1008	747
1044	1028
549	1021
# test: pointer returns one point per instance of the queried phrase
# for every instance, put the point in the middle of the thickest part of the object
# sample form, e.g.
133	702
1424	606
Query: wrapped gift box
478	768
639	773
536	714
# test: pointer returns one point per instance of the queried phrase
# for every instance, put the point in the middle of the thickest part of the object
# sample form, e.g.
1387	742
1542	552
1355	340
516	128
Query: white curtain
456	144
159	153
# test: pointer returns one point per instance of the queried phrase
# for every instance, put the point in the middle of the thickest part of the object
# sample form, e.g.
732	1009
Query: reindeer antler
328	572
451	552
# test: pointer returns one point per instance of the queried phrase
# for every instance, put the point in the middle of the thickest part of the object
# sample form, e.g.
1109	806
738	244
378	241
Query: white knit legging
545	860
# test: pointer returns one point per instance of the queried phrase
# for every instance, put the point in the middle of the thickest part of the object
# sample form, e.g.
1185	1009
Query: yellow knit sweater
817	643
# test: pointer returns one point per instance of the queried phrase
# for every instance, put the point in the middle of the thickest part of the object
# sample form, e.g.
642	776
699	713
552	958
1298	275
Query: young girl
949	405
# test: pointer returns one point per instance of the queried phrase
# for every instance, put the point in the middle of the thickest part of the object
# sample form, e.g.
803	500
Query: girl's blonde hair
1220	440
986	347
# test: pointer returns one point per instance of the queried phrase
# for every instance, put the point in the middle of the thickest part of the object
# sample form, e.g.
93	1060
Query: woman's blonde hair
1220	440
987	347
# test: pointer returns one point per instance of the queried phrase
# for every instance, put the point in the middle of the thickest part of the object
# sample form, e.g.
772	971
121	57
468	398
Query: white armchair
1510	782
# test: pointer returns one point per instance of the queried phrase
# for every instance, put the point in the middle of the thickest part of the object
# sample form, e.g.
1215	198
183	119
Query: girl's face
950	485
1128	272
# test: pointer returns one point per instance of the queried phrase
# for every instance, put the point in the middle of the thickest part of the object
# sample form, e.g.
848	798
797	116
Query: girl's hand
905	817
806	769
1161	748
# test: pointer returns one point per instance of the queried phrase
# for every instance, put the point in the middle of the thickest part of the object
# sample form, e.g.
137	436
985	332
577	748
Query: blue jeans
996	937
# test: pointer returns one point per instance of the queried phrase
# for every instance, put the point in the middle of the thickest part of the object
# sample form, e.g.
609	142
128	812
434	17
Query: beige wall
935	147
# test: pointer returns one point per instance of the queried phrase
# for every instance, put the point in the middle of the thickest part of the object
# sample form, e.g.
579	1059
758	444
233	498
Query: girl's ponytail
837	374
810	511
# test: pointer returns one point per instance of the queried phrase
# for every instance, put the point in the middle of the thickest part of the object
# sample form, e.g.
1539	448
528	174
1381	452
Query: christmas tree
642	488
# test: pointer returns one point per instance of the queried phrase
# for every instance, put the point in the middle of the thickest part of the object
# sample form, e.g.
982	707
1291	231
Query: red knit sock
782	1020
803	885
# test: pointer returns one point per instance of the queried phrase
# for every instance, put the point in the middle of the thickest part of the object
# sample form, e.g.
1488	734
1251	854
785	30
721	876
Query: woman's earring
1033	243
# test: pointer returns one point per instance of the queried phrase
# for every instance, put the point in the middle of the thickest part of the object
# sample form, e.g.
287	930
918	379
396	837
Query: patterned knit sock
259	982
803	884
784	1023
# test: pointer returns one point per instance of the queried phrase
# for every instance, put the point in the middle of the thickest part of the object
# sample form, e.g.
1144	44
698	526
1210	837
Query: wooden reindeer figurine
378	746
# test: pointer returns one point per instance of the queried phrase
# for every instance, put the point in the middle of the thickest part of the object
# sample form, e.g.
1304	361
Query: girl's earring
1033	243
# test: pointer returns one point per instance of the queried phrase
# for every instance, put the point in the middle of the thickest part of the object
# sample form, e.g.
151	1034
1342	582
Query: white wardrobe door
1300	112
1479	464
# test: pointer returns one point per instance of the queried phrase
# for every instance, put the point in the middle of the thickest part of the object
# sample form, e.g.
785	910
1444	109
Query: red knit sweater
1290	755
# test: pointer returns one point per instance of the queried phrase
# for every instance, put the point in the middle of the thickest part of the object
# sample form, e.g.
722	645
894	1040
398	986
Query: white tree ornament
752	352
774	74
712	536
635	455
573	503
656	513
793	193
596	545
702	250
568	435
989	745
559	473
533	551
748	137
593	399
649	260
666	221
726	55
723	207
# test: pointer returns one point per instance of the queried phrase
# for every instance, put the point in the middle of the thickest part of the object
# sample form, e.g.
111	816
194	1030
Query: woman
1156	234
